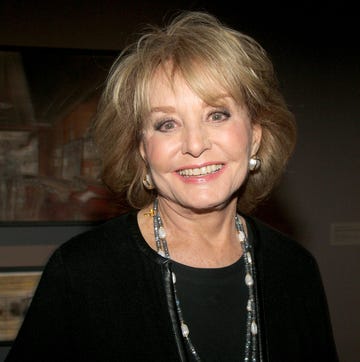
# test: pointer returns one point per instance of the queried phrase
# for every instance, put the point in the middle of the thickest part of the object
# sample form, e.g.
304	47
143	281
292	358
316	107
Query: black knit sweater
102	297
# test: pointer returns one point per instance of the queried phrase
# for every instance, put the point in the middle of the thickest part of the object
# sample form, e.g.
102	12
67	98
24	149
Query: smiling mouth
200	171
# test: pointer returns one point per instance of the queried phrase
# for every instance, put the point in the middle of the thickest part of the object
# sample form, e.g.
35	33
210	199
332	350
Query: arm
45	332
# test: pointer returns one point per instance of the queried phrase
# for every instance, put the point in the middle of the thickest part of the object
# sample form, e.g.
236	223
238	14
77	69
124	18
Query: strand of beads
162	249
251	325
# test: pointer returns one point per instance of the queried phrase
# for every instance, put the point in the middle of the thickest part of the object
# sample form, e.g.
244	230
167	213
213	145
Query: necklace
251	324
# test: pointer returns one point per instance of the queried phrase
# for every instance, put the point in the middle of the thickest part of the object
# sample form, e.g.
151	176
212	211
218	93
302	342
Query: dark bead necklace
251	324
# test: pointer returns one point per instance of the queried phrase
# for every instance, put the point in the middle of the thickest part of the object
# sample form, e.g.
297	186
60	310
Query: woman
193	129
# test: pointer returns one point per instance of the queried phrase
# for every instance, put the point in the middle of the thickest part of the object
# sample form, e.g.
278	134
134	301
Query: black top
105	296
213	302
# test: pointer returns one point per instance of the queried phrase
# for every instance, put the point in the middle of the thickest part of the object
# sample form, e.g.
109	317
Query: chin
200	205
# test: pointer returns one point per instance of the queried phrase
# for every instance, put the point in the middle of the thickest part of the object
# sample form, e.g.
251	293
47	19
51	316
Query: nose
195	140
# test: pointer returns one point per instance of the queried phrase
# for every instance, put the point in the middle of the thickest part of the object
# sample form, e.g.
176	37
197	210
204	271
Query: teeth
201	171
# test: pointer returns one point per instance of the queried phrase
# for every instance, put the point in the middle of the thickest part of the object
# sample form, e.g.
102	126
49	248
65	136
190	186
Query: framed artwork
17	287
49	169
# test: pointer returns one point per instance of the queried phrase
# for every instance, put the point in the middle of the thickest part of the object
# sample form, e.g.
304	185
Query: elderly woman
194	131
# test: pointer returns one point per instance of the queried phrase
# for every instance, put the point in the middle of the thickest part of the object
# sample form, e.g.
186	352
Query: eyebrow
165	109
170	109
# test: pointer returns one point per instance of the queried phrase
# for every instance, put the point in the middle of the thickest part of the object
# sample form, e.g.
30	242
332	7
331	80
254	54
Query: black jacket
106	296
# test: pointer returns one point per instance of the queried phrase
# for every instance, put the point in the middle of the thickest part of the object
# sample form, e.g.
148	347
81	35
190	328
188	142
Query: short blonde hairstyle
206	53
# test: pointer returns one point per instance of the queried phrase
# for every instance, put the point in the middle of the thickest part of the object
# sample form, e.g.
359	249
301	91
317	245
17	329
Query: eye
165	125
219	116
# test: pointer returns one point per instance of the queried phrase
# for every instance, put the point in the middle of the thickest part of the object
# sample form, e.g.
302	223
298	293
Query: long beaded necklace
251	324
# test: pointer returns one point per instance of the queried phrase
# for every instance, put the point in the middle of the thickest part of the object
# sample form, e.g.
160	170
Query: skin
198	157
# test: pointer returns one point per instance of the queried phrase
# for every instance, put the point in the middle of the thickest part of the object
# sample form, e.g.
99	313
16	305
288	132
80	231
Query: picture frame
17	287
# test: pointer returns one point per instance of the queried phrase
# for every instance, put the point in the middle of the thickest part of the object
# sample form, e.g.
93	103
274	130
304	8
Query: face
197	154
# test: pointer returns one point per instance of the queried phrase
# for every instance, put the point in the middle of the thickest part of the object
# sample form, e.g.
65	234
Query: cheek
237	143
158	153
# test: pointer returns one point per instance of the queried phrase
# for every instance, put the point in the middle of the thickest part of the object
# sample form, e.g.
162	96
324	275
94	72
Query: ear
256	138
142	150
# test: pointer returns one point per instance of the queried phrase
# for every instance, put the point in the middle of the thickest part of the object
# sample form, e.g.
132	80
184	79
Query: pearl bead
248	255
241	235
248	306
173	277
162	232
184	330
249	280
253	327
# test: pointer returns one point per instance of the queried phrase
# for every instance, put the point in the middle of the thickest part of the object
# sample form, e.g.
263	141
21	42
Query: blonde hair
206	53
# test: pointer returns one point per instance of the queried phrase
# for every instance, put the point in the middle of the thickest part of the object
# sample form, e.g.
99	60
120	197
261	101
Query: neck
198	222
201	239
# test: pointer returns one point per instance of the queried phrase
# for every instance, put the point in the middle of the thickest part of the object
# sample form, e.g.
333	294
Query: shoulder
283	264
274	247
292	296
94	263
100	241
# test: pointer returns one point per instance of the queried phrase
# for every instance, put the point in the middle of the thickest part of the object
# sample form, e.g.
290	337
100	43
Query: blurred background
54	57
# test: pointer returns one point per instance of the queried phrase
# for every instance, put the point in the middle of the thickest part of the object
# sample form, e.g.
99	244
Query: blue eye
165	126
219	116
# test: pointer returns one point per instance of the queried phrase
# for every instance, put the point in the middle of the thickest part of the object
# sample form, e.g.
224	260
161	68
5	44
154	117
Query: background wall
317	57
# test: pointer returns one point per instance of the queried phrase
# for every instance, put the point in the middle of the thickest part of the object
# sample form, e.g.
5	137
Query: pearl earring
147	182
254	163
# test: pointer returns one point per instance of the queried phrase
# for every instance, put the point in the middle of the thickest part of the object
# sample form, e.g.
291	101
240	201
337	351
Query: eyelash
159	125
223	113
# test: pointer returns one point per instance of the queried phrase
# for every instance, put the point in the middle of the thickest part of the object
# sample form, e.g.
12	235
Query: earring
254	163
147	182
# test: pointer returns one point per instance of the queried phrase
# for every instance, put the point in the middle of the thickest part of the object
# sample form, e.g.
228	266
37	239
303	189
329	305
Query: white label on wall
346	233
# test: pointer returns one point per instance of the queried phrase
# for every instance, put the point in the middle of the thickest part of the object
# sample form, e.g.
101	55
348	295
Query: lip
199	179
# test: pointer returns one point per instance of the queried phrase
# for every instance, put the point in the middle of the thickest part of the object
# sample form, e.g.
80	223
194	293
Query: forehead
164	85
168	81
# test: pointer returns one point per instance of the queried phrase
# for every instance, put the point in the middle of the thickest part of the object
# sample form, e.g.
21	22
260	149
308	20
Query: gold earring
147	182
254	163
